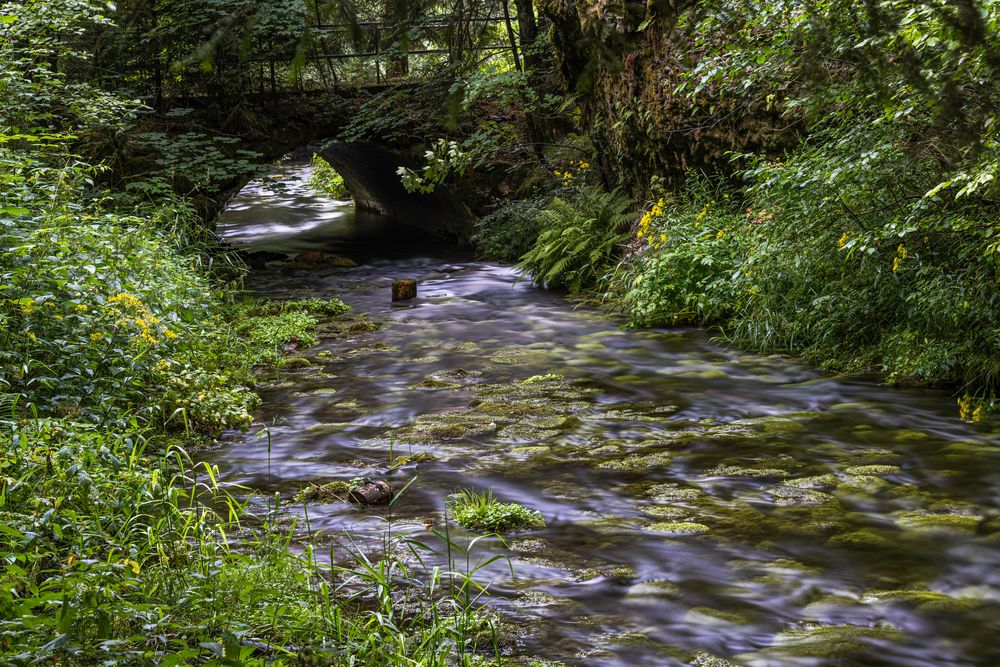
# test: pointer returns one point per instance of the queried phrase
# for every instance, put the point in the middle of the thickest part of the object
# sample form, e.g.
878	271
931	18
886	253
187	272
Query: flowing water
699	501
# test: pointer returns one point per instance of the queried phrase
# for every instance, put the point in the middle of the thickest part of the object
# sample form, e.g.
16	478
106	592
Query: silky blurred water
847	523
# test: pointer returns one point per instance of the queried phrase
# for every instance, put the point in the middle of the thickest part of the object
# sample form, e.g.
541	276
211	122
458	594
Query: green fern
579	240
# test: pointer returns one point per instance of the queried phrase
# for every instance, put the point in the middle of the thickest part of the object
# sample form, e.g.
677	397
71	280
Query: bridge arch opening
370	173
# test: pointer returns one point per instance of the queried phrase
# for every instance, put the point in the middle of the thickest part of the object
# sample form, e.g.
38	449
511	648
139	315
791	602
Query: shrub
844	254
580	236
484	513
689	248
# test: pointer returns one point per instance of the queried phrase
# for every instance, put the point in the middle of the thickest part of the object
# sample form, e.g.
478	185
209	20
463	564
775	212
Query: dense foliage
873	245
870	243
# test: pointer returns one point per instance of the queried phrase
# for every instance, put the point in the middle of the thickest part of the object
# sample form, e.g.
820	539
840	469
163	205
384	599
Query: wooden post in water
404	289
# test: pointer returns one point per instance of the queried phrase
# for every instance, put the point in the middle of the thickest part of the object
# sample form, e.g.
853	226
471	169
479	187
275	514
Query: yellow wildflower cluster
842	241
972	409
897	261
568	174
126	301
81	308
131	313
646	221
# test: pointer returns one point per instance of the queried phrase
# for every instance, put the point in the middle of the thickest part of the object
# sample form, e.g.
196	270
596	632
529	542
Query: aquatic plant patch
482	512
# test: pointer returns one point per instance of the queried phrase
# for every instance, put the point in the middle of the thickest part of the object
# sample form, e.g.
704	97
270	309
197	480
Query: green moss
859	539
830	641
363	325
679	528
827	481
674	492
431	382
638	461
928	521
855	484
923	599
790	495
792	422
484	513
549	377
873	470
702	659
448	431
412	459
293	362
323	391
667	512
514	410
909	435
331	492
619	573
748	473
532	450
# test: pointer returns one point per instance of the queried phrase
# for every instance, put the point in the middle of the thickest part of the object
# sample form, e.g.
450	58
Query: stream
700	501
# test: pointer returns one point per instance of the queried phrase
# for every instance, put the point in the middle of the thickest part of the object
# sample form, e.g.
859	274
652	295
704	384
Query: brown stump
371	493
404	289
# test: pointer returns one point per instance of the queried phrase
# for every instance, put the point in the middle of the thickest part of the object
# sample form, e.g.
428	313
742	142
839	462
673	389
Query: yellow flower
50	304
897	262
663	238
842	241
28	307
96	336
901	251
169	334
163	365
31	336
71	560
81	308
131	564
126	300
720	234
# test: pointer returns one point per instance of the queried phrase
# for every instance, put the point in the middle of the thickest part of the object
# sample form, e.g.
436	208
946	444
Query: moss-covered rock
873	470
331	492
796	496
741	472
638	462
548	377
293	362
830	642
679	528
702	659
919	520
432	382
859	539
